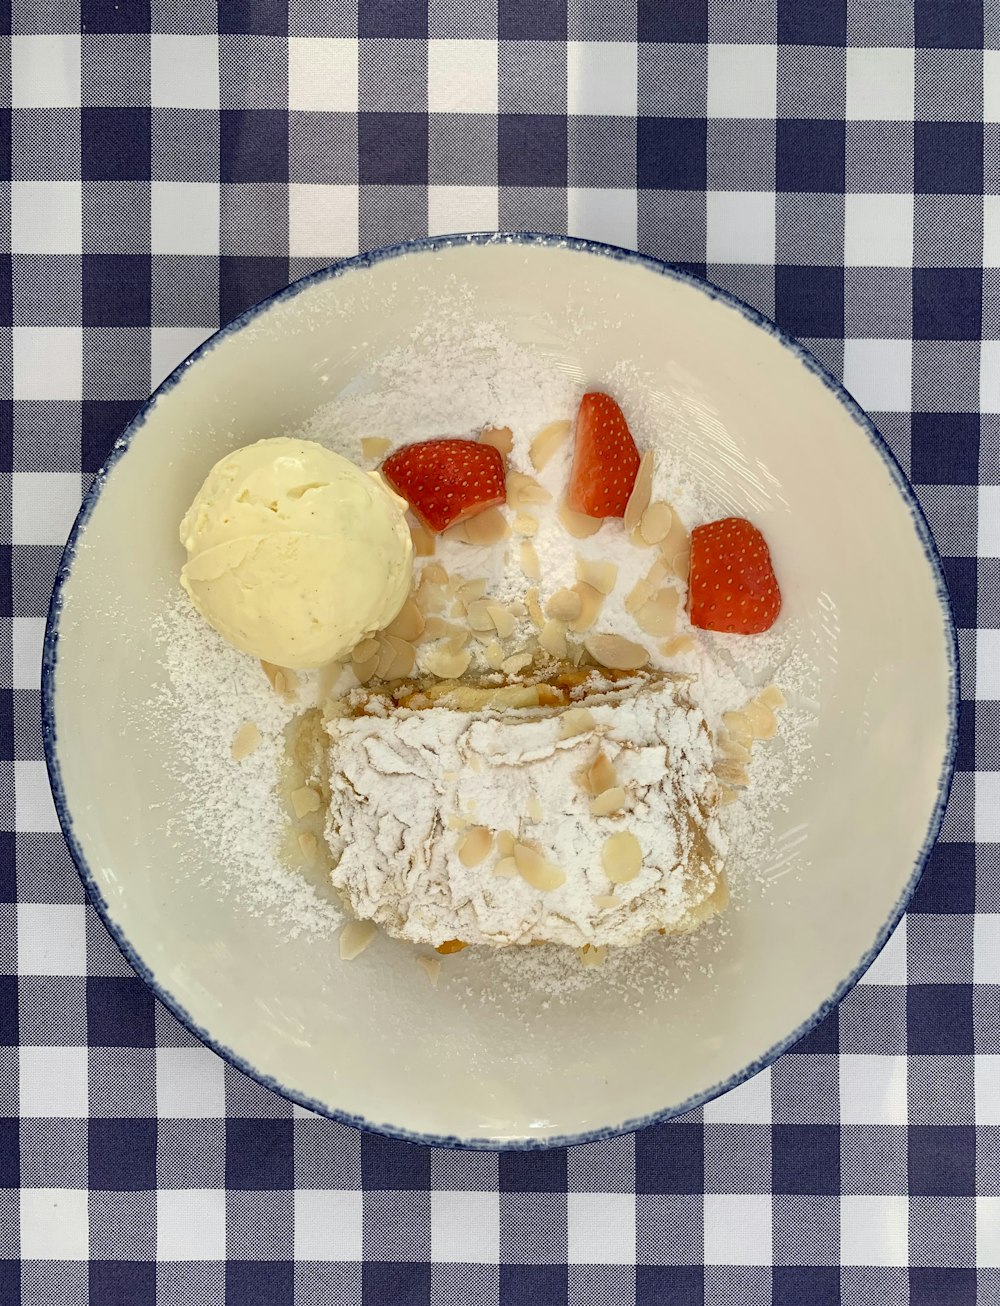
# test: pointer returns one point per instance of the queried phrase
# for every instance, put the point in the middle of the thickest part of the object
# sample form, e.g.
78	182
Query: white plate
768	432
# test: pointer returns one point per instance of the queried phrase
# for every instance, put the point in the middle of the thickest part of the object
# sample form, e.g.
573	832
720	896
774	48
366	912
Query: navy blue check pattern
834	162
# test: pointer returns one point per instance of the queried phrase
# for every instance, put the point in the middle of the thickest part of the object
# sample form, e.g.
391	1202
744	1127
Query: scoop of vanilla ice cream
294	553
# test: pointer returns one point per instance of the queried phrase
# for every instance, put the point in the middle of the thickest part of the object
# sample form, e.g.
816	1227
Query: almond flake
535	870
675	543
525	524
374	448
761	719
308	845
658	615
474	845
534	808
738	728
529	561
470	590
734	751
489	527
435	628
505	843
424	542
734	773
534	608
408	623
368	648
365	670
593	955
457	533
354	938
616	652
516	663
642	488
447	664
621	857
771	697
493	654
434	574
429	597
553	638
601	775
245	741
502	619
281	680
591	602
603	901
678	645
386	655
505	868
432	965
304	800
576	721
479	616
655	523
564	605
728	795
638	540
639	594
546	442
576	524
405	656
500	437
601	575
523	490
612	800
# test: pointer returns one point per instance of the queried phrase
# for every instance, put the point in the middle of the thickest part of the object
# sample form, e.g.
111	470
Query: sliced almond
576	721
368	648
728	795
516	663
245	741
553	638
564	605
429	597
475	845
435	628
479	616
404	658
505	868
576	654
450	946
529	561
678	645
621	857
493	654
734	751
675	543
386	654
457	533
733	773
535	808
308	845
655	523
591	602
502	619
408	623
738	728
616	652
424	542
523	490
374	448
638	540
576	524
612	800
641	592
642	489
432	966
601	775
458	637
761	719
533	868
365	670
546	442
470	590
658	615
304	800
355	937
593	954
505	843
601	575
447	664
534	608
525	524
434	574
604	901
682	564
489	527
455	822
281	680
500	437
772	697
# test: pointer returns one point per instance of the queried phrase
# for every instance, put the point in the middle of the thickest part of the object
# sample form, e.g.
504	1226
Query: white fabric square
191	1224
986	956
889	967
465	1227
878	231
879	373
44	506
51	938
33	798
461	208
600	1228
48	363
55	1224
987	666
190	1083
169	346
53	1082
987	1232
27	637
328	1224
991	86
184	217
322	221
989	521
323	74
737	1229
461	76
45	72
184	71
46	217
602	78
987	1074
747	1104
742	81
880	84
991	229
597	213
989	376
872	1090
874	1230
740	226
988	803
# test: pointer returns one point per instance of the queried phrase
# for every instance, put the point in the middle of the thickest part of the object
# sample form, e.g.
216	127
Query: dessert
294	553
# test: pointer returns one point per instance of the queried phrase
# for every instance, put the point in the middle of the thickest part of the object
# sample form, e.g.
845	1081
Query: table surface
836	164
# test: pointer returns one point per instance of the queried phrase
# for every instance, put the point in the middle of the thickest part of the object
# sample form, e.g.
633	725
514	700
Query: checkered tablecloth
834	162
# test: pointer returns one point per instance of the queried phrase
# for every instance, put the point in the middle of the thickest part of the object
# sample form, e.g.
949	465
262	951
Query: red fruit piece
732	585
445	481
605	459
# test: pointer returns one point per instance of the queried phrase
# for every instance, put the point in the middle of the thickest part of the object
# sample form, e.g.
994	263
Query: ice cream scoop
294	553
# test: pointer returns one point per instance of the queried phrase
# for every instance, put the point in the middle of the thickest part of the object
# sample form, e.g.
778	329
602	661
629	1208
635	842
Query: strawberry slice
605	459
732	585
445	481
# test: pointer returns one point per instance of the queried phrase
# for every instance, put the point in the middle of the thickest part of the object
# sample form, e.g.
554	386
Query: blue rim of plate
432	244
